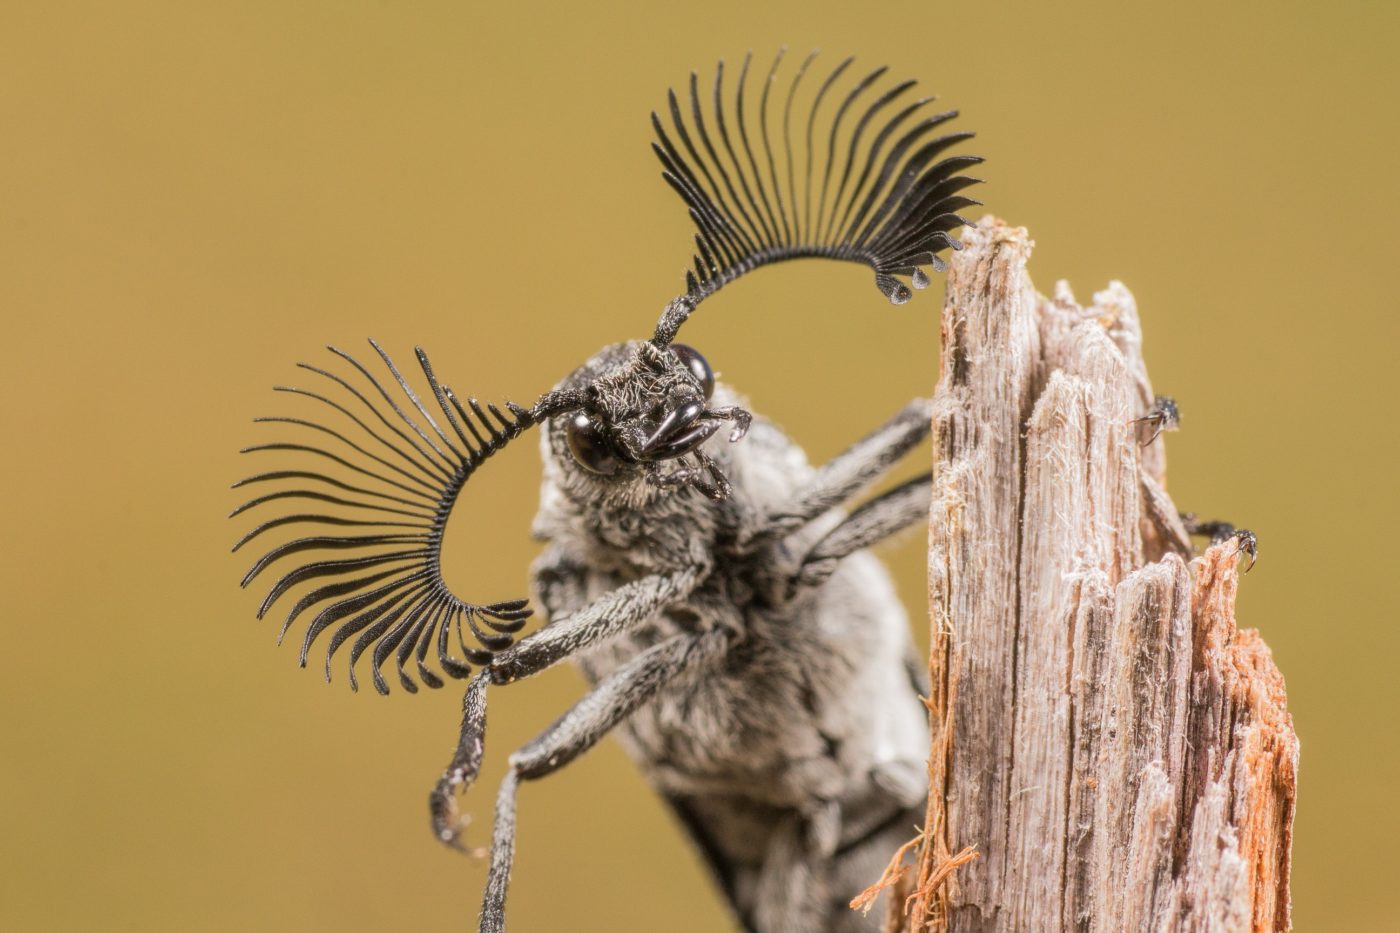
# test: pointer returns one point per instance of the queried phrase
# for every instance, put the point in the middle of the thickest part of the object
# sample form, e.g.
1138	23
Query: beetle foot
1246	541
449	823
1162	416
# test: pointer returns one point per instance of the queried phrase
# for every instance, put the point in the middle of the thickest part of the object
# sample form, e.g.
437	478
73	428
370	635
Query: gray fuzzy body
796	757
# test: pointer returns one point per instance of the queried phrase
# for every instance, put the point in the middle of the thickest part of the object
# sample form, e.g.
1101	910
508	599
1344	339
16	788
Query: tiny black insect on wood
716	594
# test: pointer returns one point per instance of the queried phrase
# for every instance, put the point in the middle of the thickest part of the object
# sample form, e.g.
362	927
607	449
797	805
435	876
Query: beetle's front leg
447	821
615	698
605	617
609	615
560	590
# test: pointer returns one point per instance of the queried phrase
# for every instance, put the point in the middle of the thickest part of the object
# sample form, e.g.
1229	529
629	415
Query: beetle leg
875	520
612	700
851	471
1246	541
609	615
465	765
1162	416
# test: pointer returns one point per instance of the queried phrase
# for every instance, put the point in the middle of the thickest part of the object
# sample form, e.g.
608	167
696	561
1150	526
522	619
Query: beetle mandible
749	652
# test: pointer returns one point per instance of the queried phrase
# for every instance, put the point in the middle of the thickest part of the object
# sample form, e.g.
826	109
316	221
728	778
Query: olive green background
195	196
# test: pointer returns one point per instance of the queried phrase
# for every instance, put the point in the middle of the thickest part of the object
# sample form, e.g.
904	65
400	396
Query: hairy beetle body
811	716
806	722
718	595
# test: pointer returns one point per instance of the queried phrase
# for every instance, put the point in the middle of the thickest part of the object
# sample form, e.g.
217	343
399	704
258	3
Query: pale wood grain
1118	752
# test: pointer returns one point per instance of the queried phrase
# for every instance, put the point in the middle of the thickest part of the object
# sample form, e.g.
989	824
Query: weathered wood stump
1115	751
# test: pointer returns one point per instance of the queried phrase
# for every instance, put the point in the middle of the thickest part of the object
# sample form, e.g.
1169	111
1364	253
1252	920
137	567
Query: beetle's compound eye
589	447
699	367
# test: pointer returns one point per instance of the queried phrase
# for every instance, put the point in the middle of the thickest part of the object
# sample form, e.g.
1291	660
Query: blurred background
193	197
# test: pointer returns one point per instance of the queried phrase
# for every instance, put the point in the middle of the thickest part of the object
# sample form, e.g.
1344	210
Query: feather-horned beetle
713	591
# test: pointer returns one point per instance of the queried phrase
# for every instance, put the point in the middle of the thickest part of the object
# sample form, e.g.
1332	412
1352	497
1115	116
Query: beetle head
645	416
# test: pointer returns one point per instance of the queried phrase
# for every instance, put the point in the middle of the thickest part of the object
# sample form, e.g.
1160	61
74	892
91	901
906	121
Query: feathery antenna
870	184
401	473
